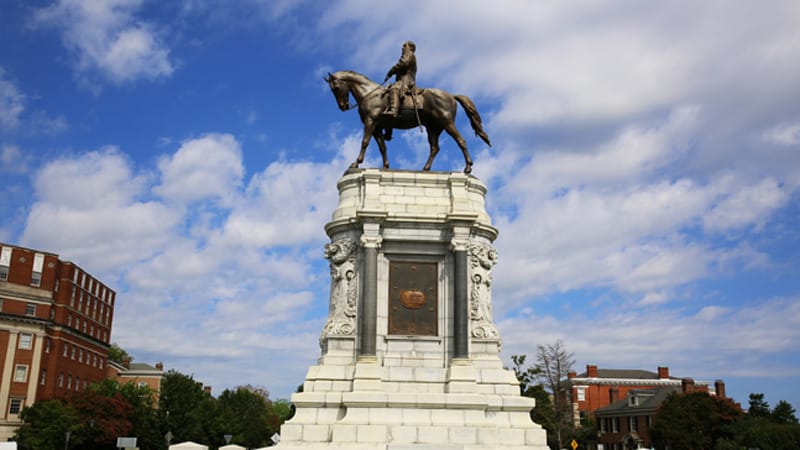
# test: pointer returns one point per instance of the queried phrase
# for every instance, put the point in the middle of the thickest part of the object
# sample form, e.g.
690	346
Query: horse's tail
474	117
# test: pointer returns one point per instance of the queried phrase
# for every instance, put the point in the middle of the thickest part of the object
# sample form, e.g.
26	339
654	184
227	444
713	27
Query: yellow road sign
574	444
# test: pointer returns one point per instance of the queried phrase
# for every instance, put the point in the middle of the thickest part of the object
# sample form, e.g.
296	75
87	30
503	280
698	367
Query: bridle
366	96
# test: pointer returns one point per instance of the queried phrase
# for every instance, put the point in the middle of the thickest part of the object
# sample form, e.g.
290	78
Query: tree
102	418
695	421
45	424
553	363
530	386
783	413
183	408
118	355
247	413
759	408
144	415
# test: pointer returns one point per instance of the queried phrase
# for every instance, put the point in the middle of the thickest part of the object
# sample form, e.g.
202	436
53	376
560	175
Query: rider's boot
387	134
394	103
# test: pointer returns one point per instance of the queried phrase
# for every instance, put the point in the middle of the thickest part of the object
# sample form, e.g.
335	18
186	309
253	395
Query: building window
38	264
633	423
5	262
69	381
581	393
25	341
615	425
43	377
15	406
61	380
72	354
72	298
20	373
47	343
64	354
30	309
633	400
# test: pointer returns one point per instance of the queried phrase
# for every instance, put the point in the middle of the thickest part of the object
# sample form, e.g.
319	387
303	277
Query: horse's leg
462	144
378	135
369	128
433	142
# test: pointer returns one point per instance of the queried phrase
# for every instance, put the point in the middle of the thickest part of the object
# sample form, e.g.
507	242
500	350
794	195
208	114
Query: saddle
408	98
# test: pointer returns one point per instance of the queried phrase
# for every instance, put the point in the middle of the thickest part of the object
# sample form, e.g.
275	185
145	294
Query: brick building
597	388
55	327
625	424
139	373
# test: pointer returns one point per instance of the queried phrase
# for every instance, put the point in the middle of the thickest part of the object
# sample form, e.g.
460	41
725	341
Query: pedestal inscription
413	298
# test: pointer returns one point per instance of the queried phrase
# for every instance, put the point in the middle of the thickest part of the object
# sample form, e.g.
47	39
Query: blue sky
644	172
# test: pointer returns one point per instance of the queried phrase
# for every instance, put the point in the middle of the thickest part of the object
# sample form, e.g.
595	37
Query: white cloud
696	344
209	167
94	200
12	103
785	134
746	205
12	159
106	36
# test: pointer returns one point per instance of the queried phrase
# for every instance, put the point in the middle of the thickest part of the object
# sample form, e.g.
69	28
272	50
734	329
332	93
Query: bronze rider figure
405	72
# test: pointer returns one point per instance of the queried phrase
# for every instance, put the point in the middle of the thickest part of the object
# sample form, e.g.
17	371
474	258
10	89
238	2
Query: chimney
687	385
591	371
663	372
160	366
571	374
613	395
719	388
207	389
126	362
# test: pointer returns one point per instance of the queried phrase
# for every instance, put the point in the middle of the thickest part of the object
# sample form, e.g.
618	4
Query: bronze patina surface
413	298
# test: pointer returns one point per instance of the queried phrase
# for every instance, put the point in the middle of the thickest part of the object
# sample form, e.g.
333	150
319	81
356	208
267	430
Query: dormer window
633	400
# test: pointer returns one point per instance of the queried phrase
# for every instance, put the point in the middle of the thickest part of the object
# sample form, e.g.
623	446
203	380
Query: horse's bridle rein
364	98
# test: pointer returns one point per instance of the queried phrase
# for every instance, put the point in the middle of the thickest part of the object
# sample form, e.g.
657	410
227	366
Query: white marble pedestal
445	388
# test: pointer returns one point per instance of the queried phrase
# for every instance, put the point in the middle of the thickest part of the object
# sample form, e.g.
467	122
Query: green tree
783	413
759	408
184	408
246	413
45	424
694	421
117	354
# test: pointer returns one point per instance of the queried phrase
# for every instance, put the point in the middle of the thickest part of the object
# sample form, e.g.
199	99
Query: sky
644	173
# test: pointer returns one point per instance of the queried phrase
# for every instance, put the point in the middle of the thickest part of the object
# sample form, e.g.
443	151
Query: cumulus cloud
106	36
95	199
209	167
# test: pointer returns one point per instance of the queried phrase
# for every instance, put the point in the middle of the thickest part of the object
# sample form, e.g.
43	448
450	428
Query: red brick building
625	424
139	373
55	327
597	388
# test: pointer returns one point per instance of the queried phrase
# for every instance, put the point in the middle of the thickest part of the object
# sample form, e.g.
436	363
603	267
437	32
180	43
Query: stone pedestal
410	353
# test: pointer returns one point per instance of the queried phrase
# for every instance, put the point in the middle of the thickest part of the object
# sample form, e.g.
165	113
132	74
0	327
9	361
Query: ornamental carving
481	260
344	281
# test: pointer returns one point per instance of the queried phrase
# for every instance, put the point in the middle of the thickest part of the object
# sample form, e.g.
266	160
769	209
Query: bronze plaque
413	298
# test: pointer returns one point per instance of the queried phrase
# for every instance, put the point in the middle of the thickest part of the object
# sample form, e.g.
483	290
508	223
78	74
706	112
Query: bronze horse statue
437	114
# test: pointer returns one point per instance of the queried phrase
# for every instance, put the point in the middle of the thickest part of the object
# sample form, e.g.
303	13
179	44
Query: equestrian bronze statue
433	109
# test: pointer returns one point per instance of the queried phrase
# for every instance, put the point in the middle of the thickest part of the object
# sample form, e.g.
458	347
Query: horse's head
340	90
